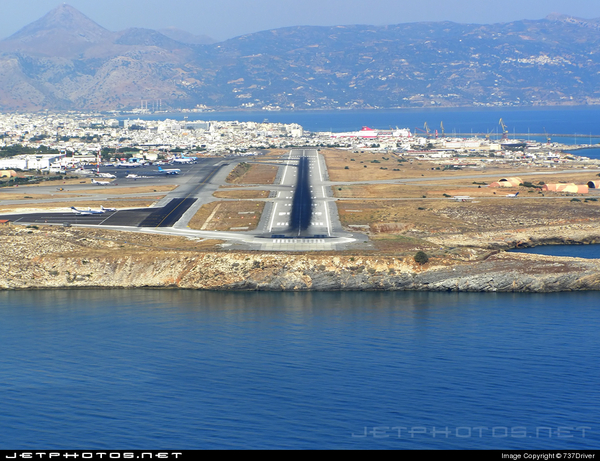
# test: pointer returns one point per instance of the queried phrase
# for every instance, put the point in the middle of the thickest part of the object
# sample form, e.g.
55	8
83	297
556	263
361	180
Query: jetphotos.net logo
467	432
94	455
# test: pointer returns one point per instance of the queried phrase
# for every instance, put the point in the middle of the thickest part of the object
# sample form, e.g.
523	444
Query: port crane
504	130
548	140
426	130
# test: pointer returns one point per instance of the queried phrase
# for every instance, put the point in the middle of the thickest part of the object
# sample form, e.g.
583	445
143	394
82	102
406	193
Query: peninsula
369	217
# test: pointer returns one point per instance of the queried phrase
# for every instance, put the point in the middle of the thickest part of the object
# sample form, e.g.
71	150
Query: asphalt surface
192	180
169	214
301	179
300	207
164	216
302	202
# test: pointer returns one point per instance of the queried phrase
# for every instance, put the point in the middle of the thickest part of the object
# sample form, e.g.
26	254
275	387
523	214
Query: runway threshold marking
187	196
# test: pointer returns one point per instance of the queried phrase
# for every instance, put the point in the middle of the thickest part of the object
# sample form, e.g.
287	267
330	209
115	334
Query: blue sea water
575	124
574	251
590	153
192	370
567	121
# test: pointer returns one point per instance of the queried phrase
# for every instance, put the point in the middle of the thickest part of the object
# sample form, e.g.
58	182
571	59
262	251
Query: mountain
64	32
67	61
185	37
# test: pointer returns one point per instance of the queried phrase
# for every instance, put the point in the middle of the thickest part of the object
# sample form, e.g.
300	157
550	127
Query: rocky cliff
58	258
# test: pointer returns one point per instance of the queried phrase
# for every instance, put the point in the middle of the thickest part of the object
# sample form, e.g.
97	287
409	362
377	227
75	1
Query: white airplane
128	165
87	212
184	160
106	175
513	195
169	171
108	209
100	183
462	198
136	176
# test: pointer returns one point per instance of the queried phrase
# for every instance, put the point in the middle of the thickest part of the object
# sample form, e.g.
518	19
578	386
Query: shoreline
476	263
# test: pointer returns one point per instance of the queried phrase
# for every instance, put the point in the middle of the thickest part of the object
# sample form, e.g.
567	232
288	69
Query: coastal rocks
45	259
576	233
215	271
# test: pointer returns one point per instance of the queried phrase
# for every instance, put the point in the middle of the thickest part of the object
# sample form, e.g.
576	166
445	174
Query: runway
301	209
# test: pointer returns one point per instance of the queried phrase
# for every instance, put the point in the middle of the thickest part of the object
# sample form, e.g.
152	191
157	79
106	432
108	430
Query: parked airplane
87	212
100	183
108	209
136	176
184	159
169	171
513	195
128	165
106	175
462	198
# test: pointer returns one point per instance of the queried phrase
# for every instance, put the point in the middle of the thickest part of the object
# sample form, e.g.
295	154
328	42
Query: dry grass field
375	191
369	166
403	226
99	242
399	216
228	216
252	173
241	194
439	216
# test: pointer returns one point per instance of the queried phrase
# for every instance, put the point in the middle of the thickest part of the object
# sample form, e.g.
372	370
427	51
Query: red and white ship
370	133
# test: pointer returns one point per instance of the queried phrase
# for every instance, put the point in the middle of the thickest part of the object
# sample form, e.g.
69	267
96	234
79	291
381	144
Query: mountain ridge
65	60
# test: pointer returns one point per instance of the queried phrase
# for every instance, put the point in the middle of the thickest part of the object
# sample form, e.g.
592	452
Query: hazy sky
222	19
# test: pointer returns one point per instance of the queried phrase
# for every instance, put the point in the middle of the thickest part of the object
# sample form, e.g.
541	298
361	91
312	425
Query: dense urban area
63	143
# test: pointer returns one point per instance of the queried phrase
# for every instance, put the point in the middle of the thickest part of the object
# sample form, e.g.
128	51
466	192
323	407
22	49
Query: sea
575	126
187	369
572	251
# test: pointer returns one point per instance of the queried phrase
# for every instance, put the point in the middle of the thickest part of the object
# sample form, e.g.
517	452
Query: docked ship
370	133
513	144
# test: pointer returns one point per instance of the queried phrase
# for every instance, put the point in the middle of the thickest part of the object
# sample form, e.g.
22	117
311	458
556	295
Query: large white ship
370	133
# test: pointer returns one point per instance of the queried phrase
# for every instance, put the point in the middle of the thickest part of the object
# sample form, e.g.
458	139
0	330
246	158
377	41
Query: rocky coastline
56	258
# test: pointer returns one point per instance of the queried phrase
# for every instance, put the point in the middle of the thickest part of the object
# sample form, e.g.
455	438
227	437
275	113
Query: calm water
568	121
575	251
186	369
591	153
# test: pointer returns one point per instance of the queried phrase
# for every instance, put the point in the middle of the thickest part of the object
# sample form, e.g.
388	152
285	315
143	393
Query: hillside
67	61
